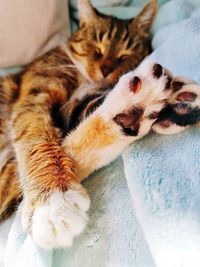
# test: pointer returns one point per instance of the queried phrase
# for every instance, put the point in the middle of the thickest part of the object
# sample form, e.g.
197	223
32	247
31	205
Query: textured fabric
160	228
113	237
163	172
29	28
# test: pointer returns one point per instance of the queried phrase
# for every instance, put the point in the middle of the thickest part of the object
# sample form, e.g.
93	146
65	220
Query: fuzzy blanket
163	172
155	221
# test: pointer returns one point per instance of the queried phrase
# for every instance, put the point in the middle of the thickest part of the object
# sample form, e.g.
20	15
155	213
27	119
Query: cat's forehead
92	21
112	36
109	25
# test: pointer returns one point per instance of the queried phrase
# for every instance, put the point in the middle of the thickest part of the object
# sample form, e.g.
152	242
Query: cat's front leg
126	115
55	204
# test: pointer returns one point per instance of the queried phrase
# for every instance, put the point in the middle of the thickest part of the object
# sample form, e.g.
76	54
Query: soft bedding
155	220
163	172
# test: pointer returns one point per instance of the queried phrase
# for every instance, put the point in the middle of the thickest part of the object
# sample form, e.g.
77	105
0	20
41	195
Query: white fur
184	80
79	66
172	129
63	217
121	98
86	89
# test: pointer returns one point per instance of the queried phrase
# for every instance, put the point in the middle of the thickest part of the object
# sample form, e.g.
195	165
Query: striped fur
34	164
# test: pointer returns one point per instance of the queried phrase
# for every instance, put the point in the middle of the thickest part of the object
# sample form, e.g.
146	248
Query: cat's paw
138	97
183	109
55	223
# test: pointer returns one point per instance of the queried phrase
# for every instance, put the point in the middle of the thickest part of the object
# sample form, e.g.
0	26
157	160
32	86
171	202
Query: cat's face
105	47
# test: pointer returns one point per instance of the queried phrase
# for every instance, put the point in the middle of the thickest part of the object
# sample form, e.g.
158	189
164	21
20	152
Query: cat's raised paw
138	97
57	222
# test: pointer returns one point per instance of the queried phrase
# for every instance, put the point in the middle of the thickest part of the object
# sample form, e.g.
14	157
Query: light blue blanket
160	226
163	172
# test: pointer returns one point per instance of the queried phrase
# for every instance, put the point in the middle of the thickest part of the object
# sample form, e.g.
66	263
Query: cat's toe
183	109
64	216
167	127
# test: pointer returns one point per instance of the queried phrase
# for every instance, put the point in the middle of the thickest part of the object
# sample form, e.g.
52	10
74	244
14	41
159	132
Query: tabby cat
50	169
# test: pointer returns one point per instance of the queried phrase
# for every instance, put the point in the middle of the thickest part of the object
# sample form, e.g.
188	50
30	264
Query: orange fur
28	100
83	144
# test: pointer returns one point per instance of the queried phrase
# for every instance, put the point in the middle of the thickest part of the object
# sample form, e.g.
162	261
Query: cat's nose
106	70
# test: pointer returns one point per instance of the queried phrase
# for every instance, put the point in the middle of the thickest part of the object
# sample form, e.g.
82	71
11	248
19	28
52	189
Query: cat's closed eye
122	58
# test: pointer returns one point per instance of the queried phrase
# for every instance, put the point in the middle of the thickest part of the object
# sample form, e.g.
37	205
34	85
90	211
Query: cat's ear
144	19
86	11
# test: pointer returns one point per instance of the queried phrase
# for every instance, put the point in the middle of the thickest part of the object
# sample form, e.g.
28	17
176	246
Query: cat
102	48
126	115
50	168
128	112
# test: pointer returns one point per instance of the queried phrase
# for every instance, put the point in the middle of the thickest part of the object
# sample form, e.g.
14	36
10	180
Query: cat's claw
57	222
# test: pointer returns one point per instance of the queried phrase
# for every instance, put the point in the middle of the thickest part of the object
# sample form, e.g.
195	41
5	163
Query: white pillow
29	28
